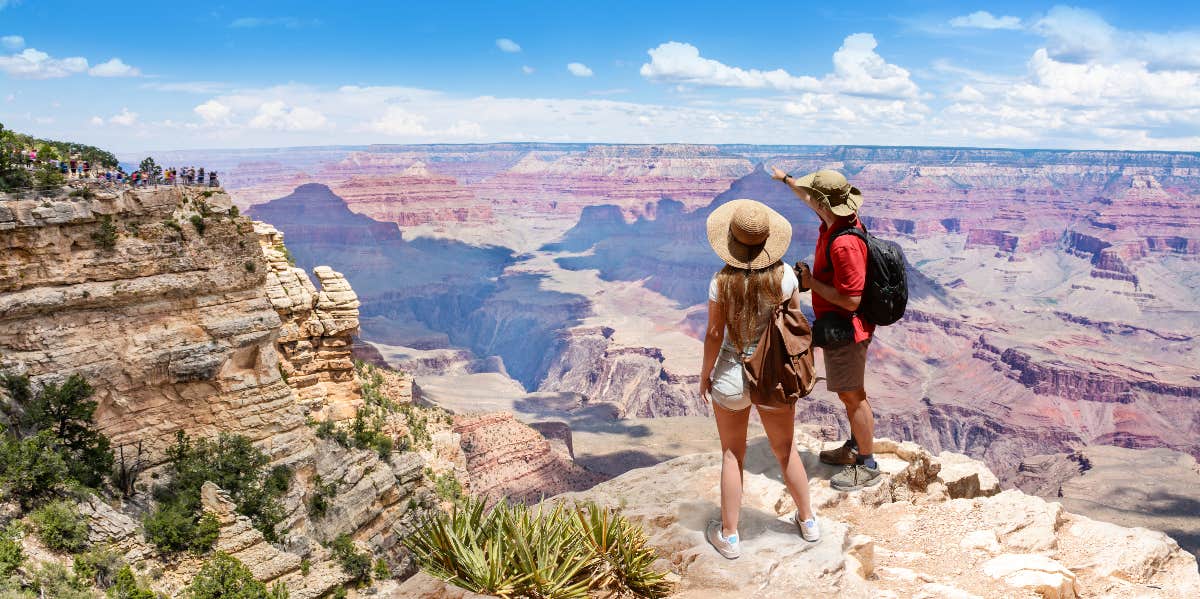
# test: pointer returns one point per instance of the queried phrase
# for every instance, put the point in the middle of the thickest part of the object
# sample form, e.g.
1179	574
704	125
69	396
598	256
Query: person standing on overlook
751	240
837	279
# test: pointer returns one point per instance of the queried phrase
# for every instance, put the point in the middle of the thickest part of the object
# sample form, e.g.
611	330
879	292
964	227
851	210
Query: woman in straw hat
751	238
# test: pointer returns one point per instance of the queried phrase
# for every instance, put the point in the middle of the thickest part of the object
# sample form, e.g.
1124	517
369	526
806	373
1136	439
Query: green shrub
99	566
381	571
172	526
53	579
31	468
126	586
60	527
318	503
46	177
224	577
173	224
355	563
516	550
233	464
233	211
305	566
82	193
446	486
11	554
68	411
106	236
250	266
198	223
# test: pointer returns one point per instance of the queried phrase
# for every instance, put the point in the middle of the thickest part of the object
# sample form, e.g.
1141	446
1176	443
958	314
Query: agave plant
622	562
543	552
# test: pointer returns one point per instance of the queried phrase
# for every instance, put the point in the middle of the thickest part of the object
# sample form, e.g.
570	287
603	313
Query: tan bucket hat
748	234
832	188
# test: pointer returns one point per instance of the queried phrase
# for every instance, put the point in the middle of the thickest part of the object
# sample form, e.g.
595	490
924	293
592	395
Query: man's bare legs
862	419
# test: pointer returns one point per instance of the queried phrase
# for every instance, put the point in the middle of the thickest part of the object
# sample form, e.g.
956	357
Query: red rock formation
507	459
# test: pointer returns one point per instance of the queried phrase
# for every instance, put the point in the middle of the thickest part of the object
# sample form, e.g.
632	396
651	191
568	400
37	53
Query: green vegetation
13	175
198	223
355	563
233	464
60	527
54	445
381	571
126	586
106	236
233	211
173	224
224	577
52	579
11	554
305	566
445	485
46	177
516	550
318	503
99	566
250	266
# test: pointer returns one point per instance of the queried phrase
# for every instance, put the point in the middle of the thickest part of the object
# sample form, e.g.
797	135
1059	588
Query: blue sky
137	76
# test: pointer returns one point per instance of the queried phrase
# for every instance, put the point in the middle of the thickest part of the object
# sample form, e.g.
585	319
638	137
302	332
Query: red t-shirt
848	275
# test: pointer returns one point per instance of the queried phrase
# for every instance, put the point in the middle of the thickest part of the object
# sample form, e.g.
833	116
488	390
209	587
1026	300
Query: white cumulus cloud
12	42
982	19
115	67
857	70
507	45
579	69
528	70
96	121
678	62
31	63
125	118
213	111
277	114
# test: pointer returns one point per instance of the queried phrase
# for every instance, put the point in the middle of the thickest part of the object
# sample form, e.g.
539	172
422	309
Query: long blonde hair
748	297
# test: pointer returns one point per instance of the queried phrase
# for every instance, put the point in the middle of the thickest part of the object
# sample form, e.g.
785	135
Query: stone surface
912	541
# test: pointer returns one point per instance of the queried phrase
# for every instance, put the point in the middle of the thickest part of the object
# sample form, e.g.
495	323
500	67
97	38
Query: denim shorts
728	386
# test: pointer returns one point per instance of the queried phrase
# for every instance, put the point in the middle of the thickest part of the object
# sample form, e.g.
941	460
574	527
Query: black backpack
885	294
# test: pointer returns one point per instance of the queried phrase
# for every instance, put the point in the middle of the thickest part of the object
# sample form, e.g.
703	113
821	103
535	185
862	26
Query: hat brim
853	202
740	255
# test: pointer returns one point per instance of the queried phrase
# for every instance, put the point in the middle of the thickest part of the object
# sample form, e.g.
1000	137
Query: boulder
1033	572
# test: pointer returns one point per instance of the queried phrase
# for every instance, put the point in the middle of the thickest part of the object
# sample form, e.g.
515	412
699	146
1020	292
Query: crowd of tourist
77	169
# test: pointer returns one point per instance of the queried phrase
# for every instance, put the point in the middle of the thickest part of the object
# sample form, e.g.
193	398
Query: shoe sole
833	463
877	480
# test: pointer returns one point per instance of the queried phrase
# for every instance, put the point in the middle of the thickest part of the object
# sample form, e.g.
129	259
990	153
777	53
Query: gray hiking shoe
856	476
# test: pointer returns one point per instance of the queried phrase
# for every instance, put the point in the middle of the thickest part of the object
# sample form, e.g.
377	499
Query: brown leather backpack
781	368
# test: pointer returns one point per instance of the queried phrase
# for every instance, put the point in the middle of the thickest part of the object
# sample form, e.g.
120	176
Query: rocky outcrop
506	459
910	536
172	325
184	318
634	379
317	332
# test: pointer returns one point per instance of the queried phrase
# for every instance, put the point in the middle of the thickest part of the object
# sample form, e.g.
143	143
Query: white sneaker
809	530
730	546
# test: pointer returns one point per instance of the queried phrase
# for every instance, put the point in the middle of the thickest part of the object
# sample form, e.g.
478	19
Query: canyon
1053	304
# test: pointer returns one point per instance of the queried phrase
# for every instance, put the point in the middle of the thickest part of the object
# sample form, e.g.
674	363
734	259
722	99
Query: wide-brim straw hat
748	234
832	188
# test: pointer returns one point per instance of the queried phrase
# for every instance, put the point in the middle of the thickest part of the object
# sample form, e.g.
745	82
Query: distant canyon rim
1054	293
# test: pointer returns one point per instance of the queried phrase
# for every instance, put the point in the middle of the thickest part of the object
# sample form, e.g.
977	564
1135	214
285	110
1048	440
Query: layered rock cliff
186	317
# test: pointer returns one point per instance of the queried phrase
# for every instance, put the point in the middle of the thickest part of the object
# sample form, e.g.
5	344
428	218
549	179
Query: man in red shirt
837	286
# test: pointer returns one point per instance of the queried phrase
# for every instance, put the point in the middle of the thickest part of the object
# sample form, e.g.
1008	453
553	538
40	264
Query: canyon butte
523	320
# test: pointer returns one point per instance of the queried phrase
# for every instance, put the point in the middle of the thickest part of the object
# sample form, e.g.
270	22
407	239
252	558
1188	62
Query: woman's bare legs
731	426
780	424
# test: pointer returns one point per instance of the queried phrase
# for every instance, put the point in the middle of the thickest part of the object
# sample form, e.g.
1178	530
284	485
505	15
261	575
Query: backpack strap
851	230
